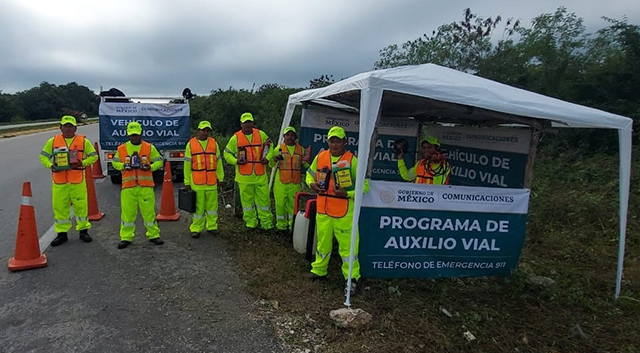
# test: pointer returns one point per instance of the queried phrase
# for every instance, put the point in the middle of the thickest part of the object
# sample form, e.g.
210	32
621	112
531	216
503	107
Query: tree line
553	56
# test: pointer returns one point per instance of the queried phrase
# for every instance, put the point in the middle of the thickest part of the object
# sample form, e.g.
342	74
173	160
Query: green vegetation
572	234
572	238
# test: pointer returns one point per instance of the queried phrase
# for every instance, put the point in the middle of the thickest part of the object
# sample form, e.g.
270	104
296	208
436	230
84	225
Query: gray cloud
159	47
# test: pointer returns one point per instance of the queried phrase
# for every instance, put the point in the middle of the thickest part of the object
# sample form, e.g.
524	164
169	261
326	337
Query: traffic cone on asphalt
168	203
92	199
27	254
97	170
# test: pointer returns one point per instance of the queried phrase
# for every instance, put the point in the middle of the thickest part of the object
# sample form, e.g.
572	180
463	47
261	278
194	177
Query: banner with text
316	122
416	231
494	157
166	126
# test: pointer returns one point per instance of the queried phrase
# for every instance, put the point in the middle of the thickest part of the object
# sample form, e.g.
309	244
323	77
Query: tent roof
431	92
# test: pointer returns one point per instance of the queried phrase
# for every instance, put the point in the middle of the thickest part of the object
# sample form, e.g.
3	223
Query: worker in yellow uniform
136	160
202	172
247	149
332	176
433	168
67	154
289	158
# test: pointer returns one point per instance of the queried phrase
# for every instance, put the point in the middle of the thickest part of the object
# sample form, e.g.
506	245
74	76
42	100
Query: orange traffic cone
27	254
97	171
94	212
168	204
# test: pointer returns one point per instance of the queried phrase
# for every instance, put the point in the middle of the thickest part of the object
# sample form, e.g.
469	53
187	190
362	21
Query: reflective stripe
264	208
156	159
26	200
312	173
198	216
92	154
346	259
82	219
211	213
247	208
116	159
43	153
412	175
280	217
188	159
150	224
126	224
322	256
229	151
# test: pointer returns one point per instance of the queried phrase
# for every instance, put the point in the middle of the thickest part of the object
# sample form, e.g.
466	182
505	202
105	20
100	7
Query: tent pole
624	137
370	99
533	149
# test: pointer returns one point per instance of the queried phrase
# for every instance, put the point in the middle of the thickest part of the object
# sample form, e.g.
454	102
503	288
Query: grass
572	237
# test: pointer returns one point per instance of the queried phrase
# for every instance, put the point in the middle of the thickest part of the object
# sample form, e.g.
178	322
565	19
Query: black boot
84	236
61	238
123	244
157	241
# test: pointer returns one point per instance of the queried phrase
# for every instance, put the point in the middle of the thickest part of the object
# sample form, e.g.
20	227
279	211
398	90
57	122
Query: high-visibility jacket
73	176
133	177
424	175
289	167
328	203
203	162
253	151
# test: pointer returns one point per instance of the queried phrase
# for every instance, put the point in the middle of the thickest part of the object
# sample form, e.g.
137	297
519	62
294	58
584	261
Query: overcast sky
158	47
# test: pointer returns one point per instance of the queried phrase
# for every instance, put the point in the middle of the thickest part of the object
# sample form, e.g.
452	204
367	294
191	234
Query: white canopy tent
433	93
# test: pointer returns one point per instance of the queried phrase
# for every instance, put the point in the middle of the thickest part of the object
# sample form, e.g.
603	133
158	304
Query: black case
187	200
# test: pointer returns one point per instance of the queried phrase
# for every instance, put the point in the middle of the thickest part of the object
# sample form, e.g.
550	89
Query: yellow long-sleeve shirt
231	156
90	155
187	166
311	174
156	158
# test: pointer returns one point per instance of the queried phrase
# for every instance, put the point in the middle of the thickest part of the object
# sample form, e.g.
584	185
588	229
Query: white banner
143	110
322	119
402	195
516	140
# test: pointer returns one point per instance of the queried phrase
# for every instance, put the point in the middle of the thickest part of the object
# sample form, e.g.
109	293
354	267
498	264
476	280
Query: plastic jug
61	158
342	175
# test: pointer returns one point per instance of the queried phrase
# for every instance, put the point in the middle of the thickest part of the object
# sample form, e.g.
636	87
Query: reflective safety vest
424	175
328	203
73	176
133	177
290	166
253	151
203	162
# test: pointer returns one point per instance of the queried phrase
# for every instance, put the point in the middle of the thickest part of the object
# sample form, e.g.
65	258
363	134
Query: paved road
183	296
19	163
4	127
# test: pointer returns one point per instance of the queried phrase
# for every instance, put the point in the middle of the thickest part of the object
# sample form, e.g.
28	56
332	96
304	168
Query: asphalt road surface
183	296
19	163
